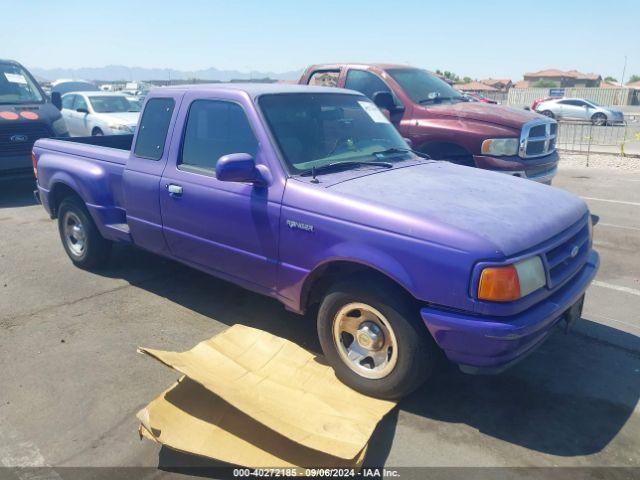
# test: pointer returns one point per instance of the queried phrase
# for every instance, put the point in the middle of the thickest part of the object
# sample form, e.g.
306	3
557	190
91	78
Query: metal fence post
589	144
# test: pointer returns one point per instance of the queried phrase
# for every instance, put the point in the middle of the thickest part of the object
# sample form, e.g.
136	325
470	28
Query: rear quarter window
324	78
153	128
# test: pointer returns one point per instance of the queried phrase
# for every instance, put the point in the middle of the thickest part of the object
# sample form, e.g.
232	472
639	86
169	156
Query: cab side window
154	125
324	78
366	83
215	128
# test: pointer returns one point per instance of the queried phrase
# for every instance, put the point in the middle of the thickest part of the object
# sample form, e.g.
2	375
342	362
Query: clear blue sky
476	38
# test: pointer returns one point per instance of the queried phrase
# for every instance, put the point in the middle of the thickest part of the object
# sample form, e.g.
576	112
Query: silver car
580	109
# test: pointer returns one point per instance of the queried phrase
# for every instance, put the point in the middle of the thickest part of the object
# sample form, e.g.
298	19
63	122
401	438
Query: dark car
26	114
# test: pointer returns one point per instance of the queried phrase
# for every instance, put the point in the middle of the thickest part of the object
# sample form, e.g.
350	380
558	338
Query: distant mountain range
112	73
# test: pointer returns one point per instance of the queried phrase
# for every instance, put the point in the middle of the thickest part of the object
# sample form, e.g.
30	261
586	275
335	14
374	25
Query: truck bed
110	148
92	167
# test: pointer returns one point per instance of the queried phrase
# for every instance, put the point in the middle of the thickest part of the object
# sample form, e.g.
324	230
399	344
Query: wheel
80	236
97	132
548	113
599	119
371	336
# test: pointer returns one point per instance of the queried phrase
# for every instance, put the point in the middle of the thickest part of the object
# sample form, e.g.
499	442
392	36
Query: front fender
296	294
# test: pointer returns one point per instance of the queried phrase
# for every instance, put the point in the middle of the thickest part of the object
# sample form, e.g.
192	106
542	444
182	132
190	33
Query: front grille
565	259
538	138
18	138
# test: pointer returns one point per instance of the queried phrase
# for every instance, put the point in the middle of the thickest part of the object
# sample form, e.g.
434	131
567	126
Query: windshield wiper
440	100
395	150
338	165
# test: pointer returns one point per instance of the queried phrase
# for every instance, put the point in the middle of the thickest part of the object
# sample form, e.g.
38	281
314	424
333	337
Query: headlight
60	126
511	282
500	146
122	128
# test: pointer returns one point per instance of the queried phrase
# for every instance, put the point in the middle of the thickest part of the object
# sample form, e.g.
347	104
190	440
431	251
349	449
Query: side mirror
385	101
56	100
82	110
241	167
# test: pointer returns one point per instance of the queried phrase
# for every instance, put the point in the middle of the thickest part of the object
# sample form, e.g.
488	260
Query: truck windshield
423	87
16	86
111	104
316	130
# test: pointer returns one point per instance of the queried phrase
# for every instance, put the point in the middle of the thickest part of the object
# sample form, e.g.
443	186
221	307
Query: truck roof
381	66
255	89
7	61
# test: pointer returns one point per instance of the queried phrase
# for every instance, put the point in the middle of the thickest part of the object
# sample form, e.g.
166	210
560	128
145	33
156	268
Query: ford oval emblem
574	251
18	138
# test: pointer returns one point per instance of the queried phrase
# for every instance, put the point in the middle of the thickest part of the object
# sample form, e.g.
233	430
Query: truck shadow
569	398
17	192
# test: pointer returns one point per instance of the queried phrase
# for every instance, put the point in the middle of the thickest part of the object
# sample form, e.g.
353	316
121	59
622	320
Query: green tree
544	84
467	80
634	78
451	76
611	79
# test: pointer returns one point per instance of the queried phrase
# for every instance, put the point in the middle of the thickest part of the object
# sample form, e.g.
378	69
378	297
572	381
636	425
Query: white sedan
99	113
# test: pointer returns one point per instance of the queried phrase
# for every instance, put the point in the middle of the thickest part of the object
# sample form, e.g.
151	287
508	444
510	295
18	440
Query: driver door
573	110
227	228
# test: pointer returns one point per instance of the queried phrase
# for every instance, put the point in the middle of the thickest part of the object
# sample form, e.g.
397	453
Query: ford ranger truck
439	121
309	195
26	114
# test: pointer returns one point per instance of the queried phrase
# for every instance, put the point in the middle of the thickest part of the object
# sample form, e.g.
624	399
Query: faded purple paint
427	225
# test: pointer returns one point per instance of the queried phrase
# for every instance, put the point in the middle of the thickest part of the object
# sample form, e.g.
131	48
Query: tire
80	237
548	113
413	353
599	119
97	132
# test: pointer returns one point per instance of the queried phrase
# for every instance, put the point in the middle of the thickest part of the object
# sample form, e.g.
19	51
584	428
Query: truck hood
510	213
484	112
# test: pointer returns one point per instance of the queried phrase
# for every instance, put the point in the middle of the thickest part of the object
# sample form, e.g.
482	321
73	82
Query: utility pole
624	69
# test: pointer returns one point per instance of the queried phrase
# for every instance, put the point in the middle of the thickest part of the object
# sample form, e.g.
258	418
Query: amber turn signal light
499	284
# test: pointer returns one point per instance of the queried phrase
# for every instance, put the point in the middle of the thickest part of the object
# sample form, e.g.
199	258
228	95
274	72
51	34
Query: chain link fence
584	137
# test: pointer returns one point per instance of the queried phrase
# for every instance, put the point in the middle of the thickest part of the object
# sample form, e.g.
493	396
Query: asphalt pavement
71	380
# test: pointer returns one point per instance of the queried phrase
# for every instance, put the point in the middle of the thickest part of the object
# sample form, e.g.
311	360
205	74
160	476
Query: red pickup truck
440	122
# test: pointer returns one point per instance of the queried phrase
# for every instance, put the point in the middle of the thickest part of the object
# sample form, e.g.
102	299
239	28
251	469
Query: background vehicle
537	102
63	86
439	122
26	114
580	109
99	113
311	196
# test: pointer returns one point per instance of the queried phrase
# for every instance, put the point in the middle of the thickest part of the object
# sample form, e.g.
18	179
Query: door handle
174	190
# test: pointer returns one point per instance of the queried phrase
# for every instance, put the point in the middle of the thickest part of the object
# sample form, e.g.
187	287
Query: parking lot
72	382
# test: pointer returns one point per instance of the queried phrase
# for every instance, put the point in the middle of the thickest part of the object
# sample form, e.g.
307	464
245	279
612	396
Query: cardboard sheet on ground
282	386
189	418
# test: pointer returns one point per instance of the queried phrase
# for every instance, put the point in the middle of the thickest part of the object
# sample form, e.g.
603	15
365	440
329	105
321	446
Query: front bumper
482	344
539	169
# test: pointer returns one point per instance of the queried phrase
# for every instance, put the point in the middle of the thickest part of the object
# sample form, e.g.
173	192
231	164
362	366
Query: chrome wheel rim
75	235
365	340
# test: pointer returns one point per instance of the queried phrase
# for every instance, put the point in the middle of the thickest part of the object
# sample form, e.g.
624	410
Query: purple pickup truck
311	196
